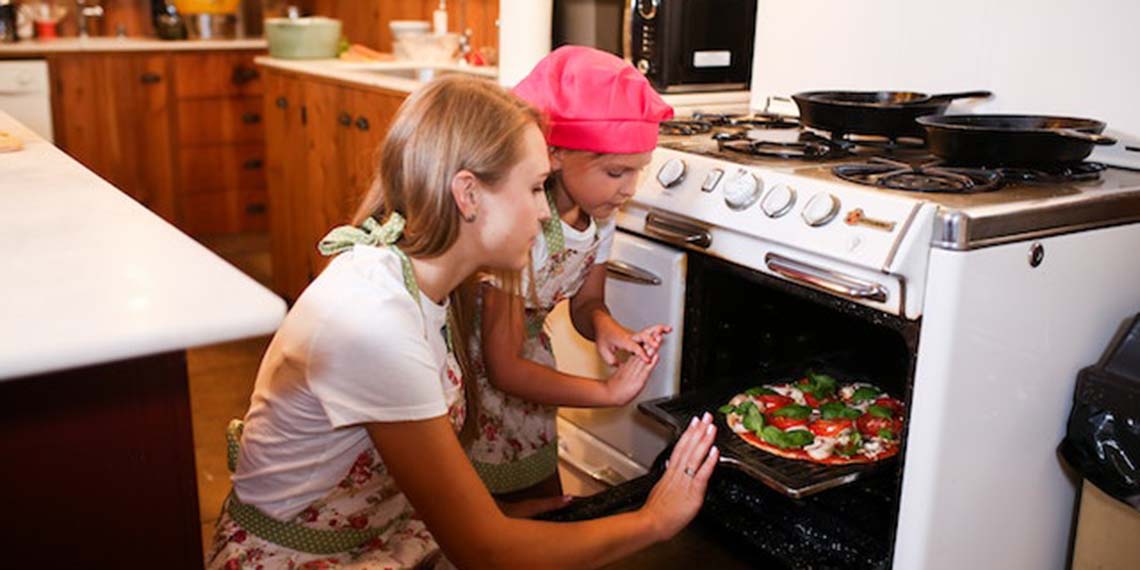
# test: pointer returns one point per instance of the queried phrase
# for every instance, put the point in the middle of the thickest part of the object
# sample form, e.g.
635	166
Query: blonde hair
452	124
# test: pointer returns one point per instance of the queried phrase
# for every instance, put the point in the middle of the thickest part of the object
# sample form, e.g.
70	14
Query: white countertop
381	74
103	44
90	276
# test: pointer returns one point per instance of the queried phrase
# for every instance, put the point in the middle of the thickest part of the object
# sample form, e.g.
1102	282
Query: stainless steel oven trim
705	87
825	279
959	231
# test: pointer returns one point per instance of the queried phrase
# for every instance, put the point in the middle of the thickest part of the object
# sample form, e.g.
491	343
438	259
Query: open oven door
645	285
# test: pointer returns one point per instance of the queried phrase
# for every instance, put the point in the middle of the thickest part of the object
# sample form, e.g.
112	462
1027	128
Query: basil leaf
822	385
798	438
865	393
832	410
773	435
886	433
760	391
726	409
753	420
745	407
794	411
880	411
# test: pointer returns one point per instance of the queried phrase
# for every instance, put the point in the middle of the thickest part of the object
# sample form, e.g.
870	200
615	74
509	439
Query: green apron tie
552	228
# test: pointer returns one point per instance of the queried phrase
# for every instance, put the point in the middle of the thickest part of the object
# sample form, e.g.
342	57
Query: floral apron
365	523
515	444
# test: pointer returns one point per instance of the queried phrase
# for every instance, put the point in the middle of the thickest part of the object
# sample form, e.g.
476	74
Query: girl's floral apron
515	445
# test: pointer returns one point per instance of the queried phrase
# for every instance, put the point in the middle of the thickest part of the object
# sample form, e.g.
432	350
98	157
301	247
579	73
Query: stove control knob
672	173
820	209
742	190
778	201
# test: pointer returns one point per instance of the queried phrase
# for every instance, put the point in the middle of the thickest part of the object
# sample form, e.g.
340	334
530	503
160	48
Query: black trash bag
1103	438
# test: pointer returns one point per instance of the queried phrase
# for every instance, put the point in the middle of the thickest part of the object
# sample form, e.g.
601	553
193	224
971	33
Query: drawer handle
251	118
282	103
255	209
629	272
362	123
676	230
252	164
243	75
150	78
344	119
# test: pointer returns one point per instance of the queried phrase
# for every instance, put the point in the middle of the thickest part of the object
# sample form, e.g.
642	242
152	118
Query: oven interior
743	328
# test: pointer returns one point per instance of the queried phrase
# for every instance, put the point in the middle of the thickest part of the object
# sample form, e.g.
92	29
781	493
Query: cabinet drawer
216	74
225	212
211	121
221	168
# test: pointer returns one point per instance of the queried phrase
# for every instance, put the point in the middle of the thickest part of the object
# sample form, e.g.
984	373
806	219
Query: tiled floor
221	380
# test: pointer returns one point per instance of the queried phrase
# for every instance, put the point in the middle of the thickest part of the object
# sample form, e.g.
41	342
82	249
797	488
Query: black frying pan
994	140
884	113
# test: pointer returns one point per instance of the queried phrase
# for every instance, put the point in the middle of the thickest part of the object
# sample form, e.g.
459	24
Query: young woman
349	456
603	118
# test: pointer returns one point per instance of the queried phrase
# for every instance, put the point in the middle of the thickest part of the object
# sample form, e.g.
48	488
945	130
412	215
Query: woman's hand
679	494
629	379
612	338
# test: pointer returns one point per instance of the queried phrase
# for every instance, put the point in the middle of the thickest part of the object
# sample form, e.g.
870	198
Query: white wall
1038	56
524	37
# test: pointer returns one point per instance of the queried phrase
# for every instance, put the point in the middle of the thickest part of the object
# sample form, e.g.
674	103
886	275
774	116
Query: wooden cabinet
181	133
322	140
112	113
221	153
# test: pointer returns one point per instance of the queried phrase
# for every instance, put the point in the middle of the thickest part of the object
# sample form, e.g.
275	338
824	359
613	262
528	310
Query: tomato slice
830	428
895	406
773	402
783	422
811	400
870	425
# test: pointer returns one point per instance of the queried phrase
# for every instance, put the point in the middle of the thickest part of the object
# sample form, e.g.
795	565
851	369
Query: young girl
603	126
349	456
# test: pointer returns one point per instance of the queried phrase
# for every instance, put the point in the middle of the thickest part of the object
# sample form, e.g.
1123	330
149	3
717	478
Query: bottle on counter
168	23
8	22
439	19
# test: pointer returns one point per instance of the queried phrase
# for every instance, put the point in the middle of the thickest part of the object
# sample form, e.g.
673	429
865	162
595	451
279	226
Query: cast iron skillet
883	113
994	140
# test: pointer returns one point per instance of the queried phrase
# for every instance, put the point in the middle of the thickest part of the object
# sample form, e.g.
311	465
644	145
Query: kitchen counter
91	276
34	48
398	76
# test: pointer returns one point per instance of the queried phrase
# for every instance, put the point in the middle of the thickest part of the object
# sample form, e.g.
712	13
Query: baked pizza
816	419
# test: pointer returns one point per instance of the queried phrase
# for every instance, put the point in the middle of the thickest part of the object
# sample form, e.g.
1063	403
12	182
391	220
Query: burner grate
925	177
809	146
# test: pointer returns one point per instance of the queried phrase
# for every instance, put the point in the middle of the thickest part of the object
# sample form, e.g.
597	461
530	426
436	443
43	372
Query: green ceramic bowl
303	38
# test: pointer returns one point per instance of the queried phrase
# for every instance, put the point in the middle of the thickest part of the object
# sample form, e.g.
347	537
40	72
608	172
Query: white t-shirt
356	348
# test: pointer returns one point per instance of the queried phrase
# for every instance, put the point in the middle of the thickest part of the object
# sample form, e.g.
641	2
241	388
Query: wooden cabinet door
286	169
112	112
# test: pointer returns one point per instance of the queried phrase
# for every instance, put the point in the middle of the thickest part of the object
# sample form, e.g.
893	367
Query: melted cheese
821	448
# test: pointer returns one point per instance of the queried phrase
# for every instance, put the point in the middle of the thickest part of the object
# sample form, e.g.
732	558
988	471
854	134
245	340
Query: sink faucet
83	12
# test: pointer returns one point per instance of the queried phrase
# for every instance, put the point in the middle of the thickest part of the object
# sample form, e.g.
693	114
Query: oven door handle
825	279
677	231
632	273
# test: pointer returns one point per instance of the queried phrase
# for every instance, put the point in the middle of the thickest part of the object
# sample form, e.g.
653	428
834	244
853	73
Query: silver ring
689	471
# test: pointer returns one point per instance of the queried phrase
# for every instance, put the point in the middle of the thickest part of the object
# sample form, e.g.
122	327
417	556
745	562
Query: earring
469	218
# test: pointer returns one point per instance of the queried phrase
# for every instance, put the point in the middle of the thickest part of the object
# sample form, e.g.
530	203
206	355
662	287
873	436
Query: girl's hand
679	494
629	379
611	337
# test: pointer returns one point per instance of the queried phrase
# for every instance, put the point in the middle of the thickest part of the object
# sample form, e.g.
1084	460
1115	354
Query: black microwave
693	45
680	45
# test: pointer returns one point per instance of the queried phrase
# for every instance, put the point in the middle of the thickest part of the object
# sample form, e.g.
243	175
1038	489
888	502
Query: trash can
1102	443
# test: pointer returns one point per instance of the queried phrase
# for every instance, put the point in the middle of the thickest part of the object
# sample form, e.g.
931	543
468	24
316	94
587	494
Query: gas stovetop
977	206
